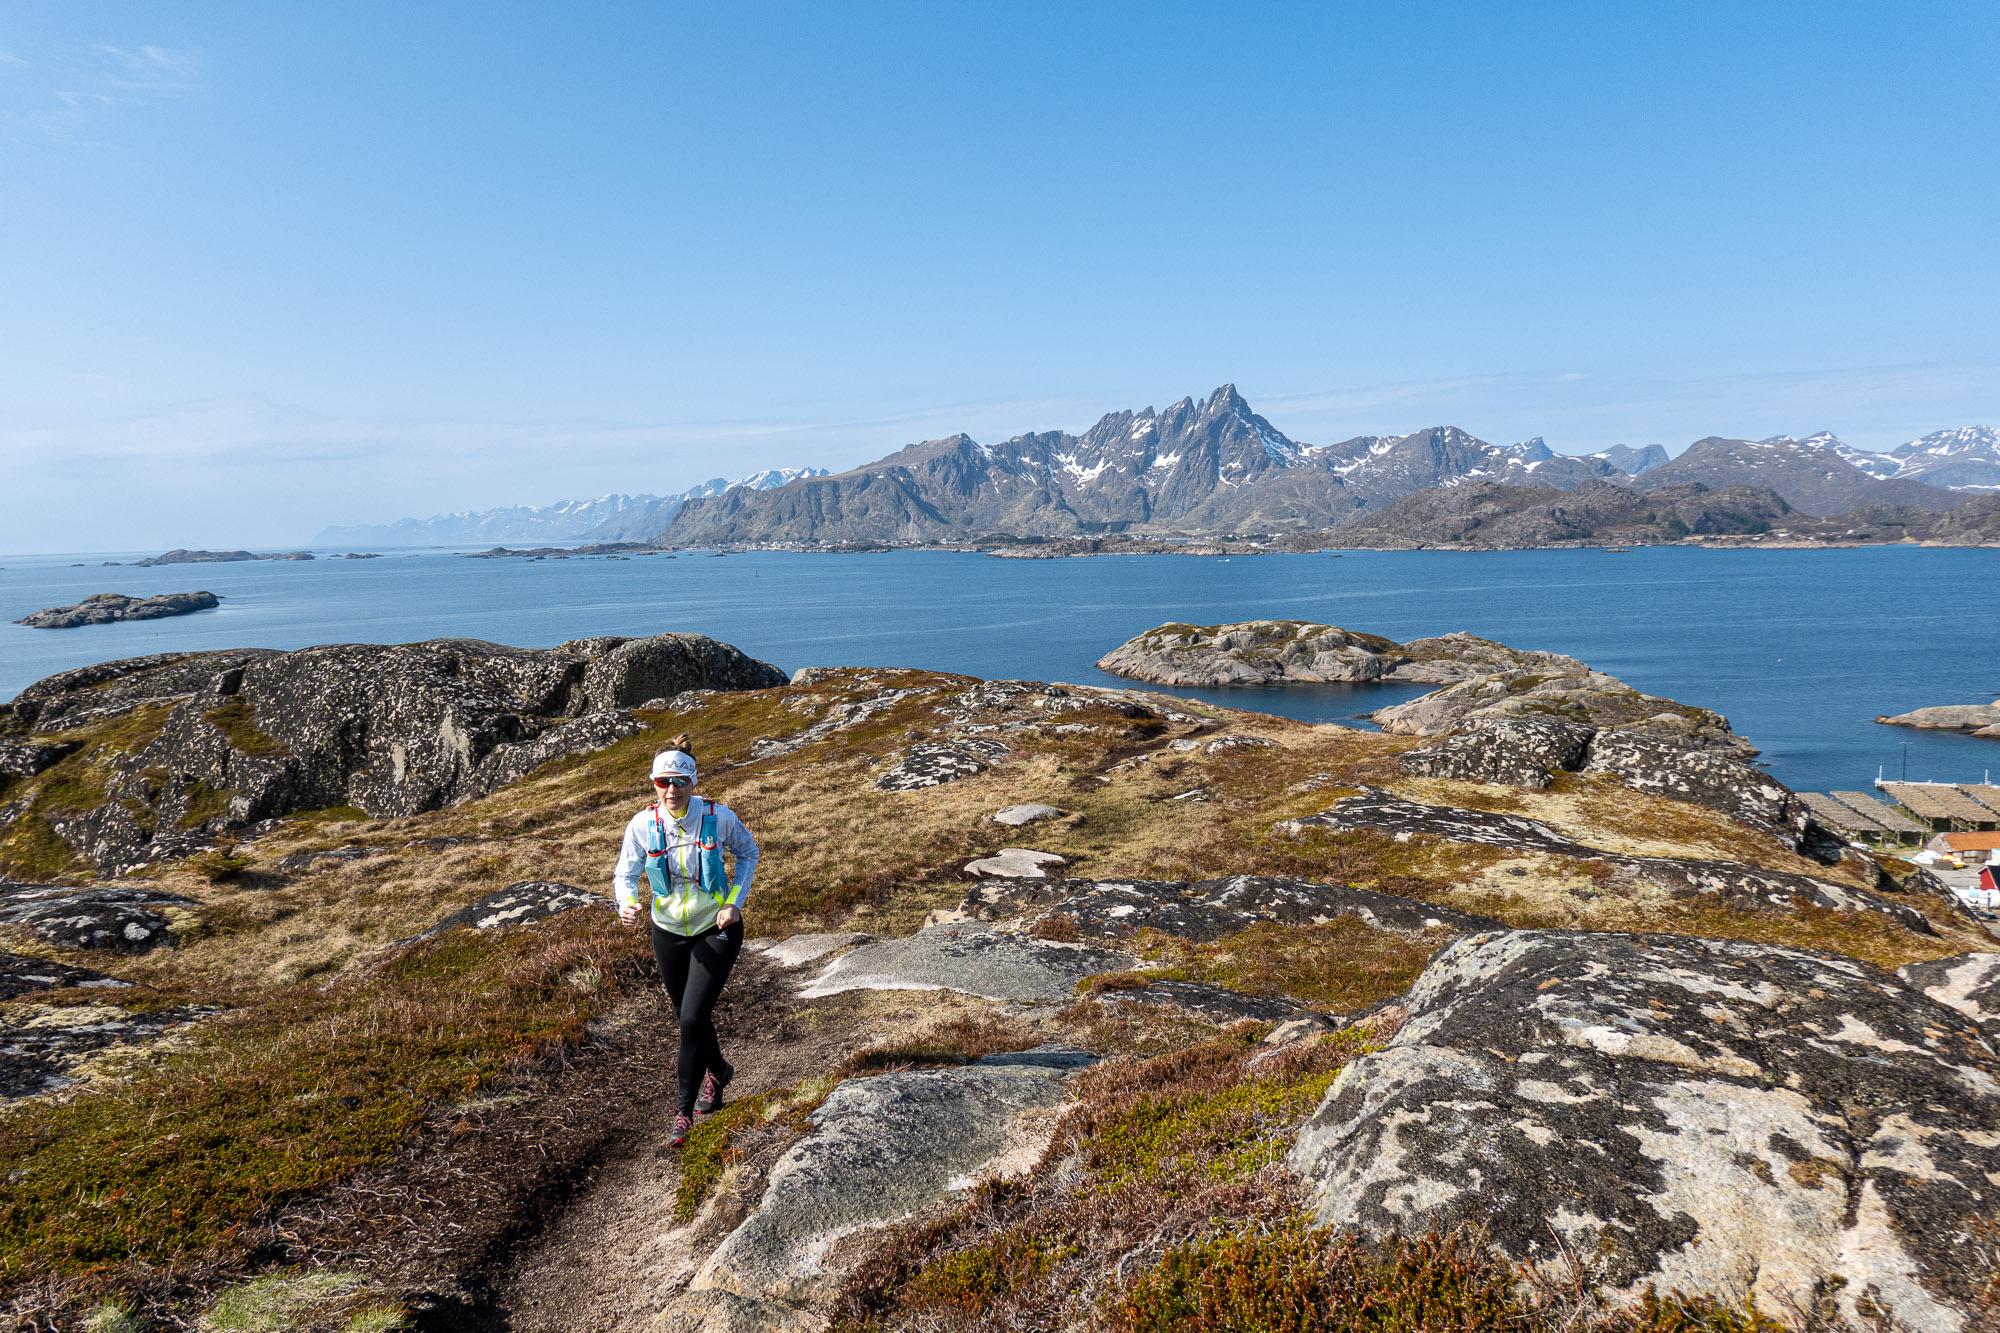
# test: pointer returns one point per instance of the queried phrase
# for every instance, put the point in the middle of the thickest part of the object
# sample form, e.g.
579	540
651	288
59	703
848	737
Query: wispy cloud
65	96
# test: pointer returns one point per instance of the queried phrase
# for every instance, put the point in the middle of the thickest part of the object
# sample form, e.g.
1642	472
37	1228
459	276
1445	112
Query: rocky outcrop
1206	909
1278	652
21	975
1518	751
971	958
529	900
1969	983
42	1048
105	608
1378	811
1973	719
246	735
183	556
1217	1004
1701	1116
98	917
934	763
1017	816
880	1149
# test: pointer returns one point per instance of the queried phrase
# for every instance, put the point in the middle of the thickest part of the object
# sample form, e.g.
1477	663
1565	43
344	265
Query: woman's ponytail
684	743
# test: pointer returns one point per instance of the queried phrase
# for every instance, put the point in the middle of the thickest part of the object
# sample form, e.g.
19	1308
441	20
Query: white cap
673	764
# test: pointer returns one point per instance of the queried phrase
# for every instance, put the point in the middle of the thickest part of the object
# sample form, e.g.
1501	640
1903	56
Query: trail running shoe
682	1124
711	1091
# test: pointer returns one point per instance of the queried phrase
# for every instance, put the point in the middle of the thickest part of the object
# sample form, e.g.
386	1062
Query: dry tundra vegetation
354	1099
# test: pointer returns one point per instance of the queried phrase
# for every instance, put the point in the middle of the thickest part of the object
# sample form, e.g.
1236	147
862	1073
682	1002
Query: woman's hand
628	913
728	917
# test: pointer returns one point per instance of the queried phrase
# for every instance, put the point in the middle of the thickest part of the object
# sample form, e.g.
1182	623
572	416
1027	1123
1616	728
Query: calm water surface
1799	648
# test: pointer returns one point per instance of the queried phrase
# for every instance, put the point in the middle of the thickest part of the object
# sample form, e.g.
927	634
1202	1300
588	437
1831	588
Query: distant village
1951	828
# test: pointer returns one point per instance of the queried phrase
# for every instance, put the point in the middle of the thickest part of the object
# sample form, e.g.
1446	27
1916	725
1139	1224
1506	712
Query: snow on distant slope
1965	459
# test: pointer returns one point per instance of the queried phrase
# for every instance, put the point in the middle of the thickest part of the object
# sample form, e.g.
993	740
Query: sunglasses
673	782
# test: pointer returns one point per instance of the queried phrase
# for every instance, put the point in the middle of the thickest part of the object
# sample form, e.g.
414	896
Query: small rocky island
1972	719
107	608
182	556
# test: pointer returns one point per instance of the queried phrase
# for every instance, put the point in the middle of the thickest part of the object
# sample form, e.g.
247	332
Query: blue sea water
1800	649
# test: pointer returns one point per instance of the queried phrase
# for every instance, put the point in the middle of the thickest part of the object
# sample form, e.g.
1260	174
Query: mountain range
1214	467
608	518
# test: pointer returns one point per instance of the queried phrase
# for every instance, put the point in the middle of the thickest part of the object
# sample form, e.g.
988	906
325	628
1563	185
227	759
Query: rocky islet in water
1032	1032
107	608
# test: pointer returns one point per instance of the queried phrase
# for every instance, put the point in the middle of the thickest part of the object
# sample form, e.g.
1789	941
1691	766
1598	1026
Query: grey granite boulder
1521	751
969	957
1378	811
1702	1116
95	917
934	763
1969	983
881	1149
1015	863
394	729
1205	909
1017	816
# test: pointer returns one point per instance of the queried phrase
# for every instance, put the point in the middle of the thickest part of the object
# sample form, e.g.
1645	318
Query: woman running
676	845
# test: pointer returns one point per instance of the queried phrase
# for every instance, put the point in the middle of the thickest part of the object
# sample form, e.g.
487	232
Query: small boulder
96	917
1015	863
529	900
1017	816
934	763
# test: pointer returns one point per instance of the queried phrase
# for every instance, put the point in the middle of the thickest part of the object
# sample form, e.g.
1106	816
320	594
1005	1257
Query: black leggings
693	968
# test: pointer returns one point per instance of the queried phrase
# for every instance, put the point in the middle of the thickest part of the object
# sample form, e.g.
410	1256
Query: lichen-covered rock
881	1149
1702	1116
96	917
934	763
1217	1004
841	717
1202	909
1667	765
969	957
24	759
1017	816
21	975
1969	983
395	729
1376	810
41	1047
529	900
105	608
1015	863
1521	751
1577	695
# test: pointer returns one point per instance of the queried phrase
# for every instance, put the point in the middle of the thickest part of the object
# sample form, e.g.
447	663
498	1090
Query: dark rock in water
934	763
105	608
1523	752
98	917
40	1052
1203	909
394	729
1377	810
1969	983
21	975
182	556
1701	1116
1972	719
529	900
24	759
1215	1003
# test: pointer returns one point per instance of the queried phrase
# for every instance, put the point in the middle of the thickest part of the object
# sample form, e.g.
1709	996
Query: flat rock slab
22	975
1705	1116
970	957
1377	811
1015	863
529	900
40	1049
1206	909
1016	816
1969	983
1218	1004
881	1149
95	917
934	763
798	950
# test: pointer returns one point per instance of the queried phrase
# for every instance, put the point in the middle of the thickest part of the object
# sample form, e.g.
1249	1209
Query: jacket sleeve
738	842
631	867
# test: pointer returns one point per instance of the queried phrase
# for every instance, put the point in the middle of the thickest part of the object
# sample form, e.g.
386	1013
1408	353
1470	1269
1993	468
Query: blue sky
271	267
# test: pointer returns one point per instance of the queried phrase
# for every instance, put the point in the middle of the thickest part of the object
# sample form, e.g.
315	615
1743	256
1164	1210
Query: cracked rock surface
970	957
1377	810
1707	1116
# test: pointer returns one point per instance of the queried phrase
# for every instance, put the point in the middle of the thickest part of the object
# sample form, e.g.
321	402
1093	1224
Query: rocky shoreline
1972	719
106	608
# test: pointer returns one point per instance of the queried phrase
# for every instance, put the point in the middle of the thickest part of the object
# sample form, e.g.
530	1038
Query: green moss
32	850
971	1280
238	721
204	802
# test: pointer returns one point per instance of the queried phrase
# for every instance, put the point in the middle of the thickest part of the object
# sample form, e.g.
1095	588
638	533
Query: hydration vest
682	903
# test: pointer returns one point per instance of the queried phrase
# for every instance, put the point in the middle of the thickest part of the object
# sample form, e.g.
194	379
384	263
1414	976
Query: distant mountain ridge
1813	475
606	518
